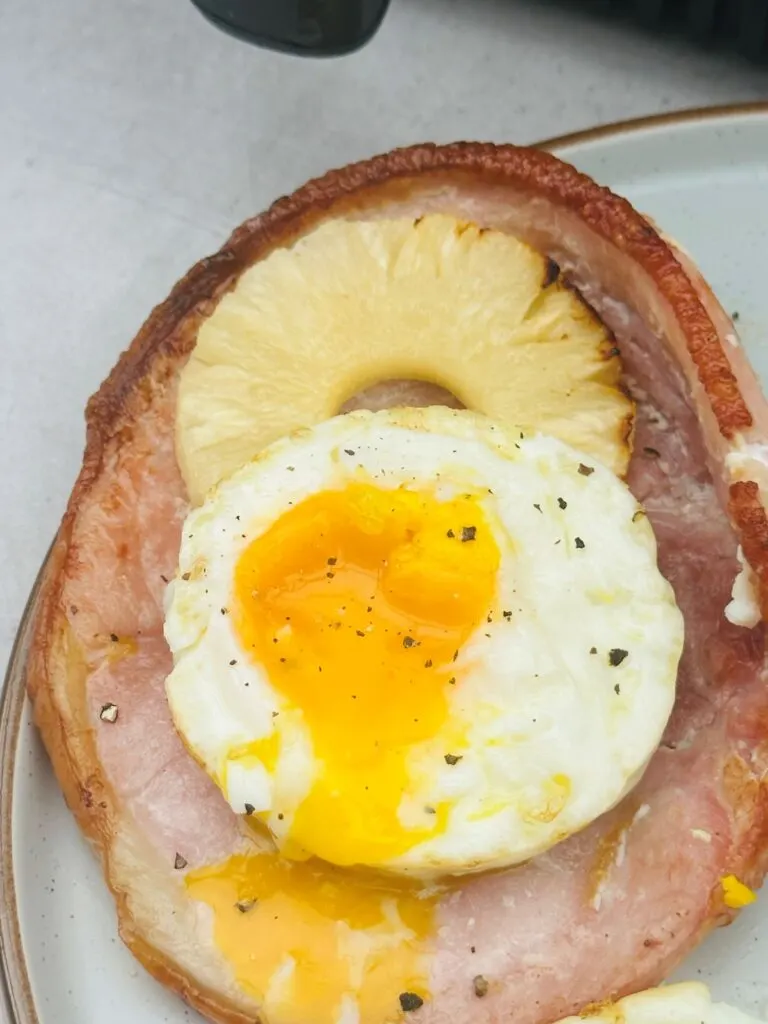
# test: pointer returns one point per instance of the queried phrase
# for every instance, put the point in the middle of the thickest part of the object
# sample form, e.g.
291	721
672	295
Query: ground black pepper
410	1001
480	985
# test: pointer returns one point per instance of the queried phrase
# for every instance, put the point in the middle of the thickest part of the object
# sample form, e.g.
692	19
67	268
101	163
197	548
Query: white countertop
133	137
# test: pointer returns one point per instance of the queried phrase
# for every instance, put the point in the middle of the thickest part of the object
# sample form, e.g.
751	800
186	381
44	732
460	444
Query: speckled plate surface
704	177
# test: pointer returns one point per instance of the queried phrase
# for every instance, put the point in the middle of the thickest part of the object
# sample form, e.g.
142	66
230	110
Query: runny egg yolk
302	936
356	603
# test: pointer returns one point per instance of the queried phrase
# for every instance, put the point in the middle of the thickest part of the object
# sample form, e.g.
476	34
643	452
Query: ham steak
607	912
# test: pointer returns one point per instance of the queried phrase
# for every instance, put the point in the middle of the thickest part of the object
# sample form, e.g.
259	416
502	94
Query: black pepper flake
452	681
507	615
332	561
480	986
472	949
224	611
652	453
185	576
579	543
616	655
245	905
551	273
179	862
163	578
593	650
408	641
410	1001
735	315
369	609
537	507
349	451
429	810
468	533
359	632
562	503
280	817
586	470
233	661
453	758
428	663
109	713
290	468
249	809
617	689
114	637
455	655
330	575
450	533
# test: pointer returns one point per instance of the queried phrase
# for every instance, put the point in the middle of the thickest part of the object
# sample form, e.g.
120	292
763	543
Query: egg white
688	1002
539	699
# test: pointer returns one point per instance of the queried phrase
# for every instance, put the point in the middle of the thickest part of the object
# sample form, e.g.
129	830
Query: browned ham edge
606	912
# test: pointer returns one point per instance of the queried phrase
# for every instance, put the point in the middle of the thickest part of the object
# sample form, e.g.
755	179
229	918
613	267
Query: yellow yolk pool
356	603
303	937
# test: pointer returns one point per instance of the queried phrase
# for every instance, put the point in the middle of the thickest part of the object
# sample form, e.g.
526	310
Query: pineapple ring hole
388	394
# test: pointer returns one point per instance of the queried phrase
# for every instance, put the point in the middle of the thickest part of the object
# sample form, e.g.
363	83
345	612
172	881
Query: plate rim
15	985
633	125
16	995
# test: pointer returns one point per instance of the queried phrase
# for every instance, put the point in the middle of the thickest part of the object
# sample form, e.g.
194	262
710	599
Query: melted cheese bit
310	942
735	894
744	607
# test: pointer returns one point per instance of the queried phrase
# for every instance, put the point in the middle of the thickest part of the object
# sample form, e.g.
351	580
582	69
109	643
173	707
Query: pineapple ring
475	311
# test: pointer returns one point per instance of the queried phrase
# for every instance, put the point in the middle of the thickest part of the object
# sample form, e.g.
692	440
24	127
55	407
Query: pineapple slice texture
435	299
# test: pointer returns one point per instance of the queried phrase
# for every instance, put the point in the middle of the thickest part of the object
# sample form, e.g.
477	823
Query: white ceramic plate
704	177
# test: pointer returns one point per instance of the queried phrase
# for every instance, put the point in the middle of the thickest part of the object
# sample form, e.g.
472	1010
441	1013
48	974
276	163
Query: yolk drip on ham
309	941
356	603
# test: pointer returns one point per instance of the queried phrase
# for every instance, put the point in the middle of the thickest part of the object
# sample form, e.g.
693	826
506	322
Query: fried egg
414	641
688	1002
